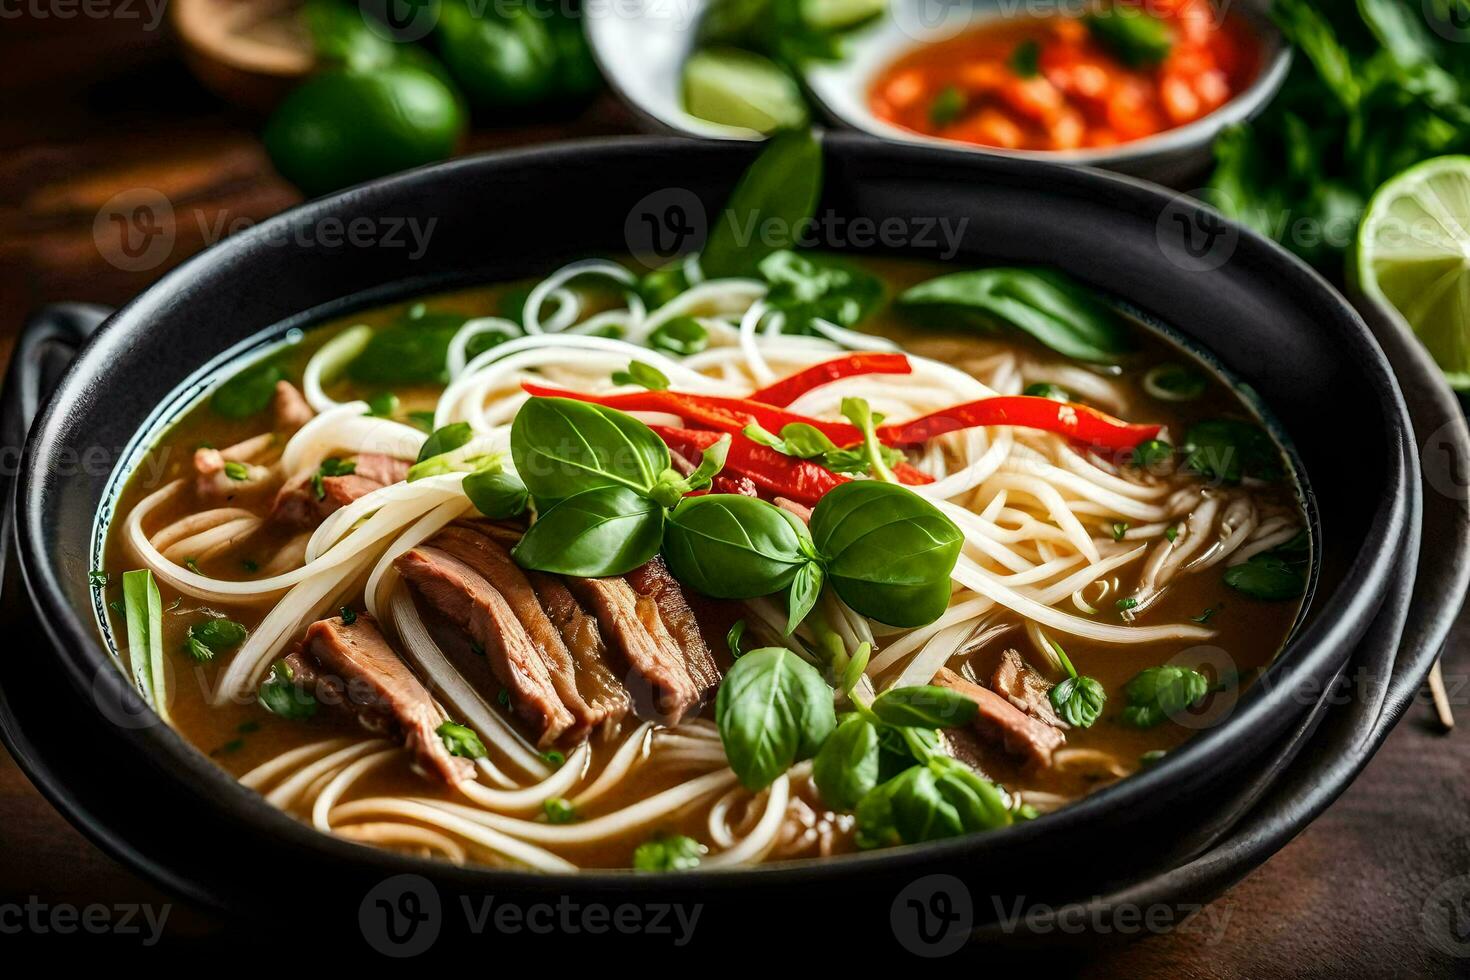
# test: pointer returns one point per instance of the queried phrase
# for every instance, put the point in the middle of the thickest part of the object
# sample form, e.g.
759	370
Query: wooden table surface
91	106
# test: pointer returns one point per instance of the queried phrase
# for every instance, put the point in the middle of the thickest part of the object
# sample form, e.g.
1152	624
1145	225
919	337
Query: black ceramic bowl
1269	320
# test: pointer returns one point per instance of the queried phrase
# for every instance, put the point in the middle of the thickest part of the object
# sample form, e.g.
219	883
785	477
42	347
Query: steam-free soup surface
240	734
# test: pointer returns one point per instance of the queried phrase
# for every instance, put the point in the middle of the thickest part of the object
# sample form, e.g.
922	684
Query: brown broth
239	737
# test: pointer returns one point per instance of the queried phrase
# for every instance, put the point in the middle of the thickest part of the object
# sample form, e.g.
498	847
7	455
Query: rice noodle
1040	518
329	360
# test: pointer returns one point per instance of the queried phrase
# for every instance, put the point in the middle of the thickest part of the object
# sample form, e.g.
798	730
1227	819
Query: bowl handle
47	344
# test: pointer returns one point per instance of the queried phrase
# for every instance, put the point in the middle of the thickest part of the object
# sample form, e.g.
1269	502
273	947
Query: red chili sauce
1067	83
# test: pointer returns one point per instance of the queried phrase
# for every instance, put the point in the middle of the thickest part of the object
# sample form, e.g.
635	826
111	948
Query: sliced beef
472	604
492	561
1022	685
303	502
966	746
999	720
665	659
351	665
596	682
671	608
651	662
221	478
290	407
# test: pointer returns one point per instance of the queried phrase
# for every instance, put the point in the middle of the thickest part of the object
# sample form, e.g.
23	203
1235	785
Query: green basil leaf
846	768
1078	700
1269	577
939	799
888	552
733	547
925	706
674	853
445	439
1230	450
774	198
1156	694
563	447
497	494
249	392
900	748
414	350
1053	309
806	589
603	531
773	711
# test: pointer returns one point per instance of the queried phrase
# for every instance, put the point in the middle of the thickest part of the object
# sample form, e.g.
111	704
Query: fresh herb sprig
1078	700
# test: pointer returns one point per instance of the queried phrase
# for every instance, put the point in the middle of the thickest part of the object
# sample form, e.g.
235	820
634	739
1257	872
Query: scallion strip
144	610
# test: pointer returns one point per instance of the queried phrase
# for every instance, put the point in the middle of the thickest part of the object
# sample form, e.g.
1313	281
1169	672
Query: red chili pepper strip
730	415
777	475
789	389
1064	418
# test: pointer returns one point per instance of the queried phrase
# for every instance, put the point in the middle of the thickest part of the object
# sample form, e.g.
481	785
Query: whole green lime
343	127
501	59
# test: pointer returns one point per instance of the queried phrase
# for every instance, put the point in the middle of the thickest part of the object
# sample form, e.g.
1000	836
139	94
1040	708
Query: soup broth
364	784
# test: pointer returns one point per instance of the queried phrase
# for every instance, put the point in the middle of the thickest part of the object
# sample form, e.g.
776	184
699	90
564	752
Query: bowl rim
1350	607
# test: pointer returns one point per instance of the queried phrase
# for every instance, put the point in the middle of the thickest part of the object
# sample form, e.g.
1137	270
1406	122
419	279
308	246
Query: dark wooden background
94	105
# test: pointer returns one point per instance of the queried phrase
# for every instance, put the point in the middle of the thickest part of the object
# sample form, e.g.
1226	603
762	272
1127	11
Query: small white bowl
841	88
642	45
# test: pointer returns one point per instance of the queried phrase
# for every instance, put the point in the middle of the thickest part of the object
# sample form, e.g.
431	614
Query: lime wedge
839	15
738	88
1414	254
